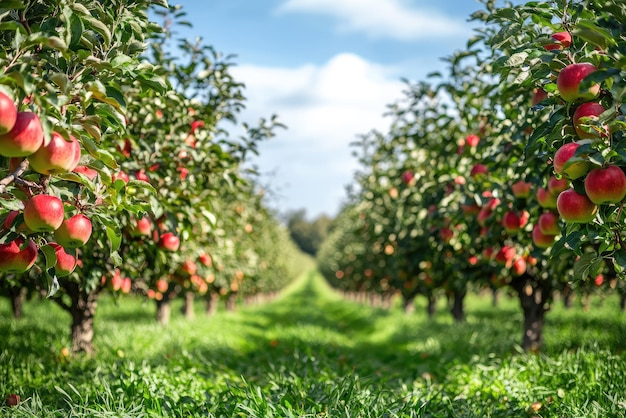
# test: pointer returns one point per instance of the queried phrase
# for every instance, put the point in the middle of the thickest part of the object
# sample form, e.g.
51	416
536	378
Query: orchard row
117	169
508	171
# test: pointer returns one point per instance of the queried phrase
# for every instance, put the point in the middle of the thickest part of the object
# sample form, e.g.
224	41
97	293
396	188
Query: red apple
541	240
569	79
546	199
575	207
556	186
127	285
183	172
59	156
169	242
472	140
25	138
446	234
8	223
567	164
521	189
190	267
478	169
512	222
144	226
606	185
598	280
407	177
549	223
74	232
13	399
86	171
142	176
539	95
205	259
8	113
564	40
44	213
505	255
16	256
519	267
120	175
162	285
591	111
66	263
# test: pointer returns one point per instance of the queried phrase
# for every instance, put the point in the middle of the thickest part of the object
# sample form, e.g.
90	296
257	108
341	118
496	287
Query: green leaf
49	255
583	265
516	59
7	5
115	238
101	28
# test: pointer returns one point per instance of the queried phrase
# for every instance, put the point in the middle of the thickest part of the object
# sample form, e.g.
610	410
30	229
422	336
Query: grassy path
312	354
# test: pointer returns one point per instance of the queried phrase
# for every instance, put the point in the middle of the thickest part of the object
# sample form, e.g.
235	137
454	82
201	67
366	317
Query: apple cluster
605	184
22	137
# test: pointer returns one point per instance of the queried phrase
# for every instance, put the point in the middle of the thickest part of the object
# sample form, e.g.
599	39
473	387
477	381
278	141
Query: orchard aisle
311	353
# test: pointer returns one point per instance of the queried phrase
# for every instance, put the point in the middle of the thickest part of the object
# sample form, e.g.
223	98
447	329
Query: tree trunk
231	302
83	311
431	306
18	295
568	296
210	307
457	305
164	310
495	297
408	304
187	308
533	298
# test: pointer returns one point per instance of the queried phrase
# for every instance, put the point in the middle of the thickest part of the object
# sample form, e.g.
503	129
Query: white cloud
394	19
325	108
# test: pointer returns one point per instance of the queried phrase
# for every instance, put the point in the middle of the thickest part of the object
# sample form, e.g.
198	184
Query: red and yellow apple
549	223
169	242
66	263
586	113
24	138
563	40
74	232
17	256
44	213
8	113
606	185
568	164
541	240
59	156
575	207
569	79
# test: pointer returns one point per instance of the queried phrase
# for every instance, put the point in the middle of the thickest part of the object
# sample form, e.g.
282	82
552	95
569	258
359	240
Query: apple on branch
8	113
24	138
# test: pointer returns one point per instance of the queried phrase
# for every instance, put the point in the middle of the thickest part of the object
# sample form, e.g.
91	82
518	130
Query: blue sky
328	69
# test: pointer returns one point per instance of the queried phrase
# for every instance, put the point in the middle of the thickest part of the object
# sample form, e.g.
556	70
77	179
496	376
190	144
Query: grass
312	354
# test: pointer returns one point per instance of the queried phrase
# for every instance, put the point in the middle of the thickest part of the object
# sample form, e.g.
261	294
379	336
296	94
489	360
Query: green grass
312	354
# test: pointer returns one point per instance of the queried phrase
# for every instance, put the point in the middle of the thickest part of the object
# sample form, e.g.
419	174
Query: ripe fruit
162	285
446	234
66	263
13	399
59	156
472	140
606	185
578	167
519	267
568	82
546	199
575	207
15	257
539	95
407	177
521	189
512	222
205	259
556	186
541	240
549	223
8	113
89	172
121	175
505	255
144	226
74	232
190	267
478	169
591	111
169	242
564	40
44	213
25	138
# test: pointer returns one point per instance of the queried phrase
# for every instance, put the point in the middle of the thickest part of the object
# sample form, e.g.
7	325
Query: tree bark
83	311
164	310
17	295
568	297
533	300
408	304
458	313
495	297
231	302
187	308
431	307
210	307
